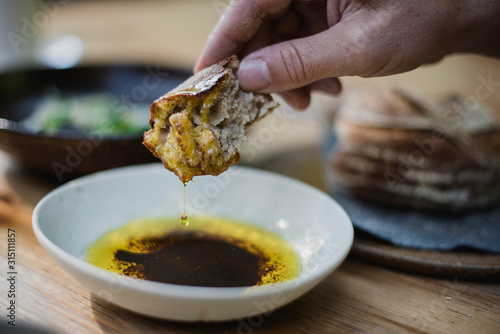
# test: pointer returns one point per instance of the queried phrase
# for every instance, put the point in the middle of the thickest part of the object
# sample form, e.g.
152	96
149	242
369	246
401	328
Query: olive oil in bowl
211	252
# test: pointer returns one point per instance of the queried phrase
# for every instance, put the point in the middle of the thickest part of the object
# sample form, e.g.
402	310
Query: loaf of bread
197	128
397	149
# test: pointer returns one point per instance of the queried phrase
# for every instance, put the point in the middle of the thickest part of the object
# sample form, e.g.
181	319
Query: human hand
293	47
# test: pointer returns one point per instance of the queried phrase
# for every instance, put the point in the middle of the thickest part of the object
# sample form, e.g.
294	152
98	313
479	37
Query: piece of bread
398	149
416	188
197	128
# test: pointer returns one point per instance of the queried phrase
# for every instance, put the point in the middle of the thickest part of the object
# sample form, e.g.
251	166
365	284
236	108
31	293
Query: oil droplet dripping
185	217
185	220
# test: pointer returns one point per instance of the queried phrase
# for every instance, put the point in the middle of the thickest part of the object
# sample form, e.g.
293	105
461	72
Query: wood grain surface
359	297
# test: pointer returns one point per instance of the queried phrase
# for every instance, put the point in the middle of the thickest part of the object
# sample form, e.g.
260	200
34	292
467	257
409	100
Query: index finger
240	22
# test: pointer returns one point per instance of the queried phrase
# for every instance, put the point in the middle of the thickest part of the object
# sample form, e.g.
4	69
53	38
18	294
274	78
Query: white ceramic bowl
69	219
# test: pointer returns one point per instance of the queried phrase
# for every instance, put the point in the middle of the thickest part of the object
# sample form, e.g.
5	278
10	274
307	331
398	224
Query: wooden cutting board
454	264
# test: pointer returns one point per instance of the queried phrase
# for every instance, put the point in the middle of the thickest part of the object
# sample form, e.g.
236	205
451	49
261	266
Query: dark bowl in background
69	154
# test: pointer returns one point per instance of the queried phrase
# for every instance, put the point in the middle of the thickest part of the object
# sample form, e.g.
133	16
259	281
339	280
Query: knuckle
297	68
368	57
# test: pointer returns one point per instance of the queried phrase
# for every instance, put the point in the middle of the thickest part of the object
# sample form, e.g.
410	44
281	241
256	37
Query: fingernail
254	75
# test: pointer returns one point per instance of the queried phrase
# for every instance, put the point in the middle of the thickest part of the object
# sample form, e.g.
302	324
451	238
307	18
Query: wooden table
359	297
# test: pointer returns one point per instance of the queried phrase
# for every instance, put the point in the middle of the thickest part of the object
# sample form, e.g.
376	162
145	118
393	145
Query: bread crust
195	129
200	85
396	148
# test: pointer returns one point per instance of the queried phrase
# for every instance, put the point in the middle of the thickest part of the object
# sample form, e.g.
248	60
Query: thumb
300	62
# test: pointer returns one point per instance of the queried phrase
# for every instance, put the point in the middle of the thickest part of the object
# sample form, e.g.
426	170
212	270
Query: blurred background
149	34
151	31
167	32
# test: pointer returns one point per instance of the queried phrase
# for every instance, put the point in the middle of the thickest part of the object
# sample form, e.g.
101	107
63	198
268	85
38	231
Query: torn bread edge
197	128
